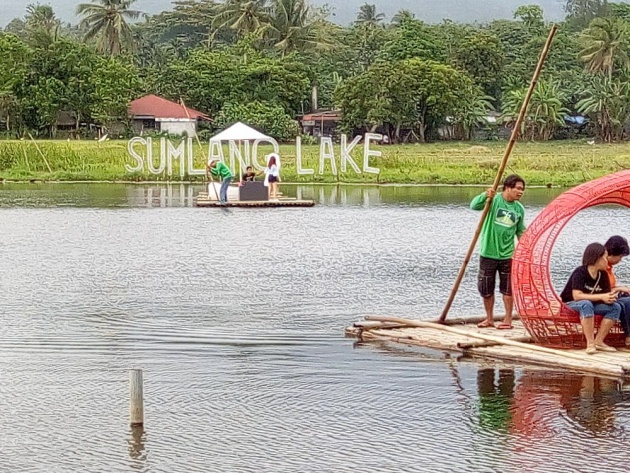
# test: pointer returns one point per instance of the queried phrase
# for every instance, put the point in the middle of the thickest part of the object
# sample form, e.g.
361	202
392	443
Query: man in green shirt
505	220
220	170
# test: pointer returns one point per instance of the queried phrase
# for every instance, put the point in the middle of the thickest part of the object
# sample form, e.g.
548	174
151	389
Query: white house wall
179	127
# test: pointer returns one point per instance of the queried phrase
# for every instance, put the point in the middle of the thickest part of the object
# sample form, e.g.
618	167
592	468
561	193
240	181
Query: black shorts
273	179
488	269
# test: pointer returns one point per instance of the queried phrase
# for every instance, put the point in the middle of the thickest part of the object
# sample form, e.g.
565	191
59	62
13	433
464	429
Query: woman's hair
592	253
617	246
271	161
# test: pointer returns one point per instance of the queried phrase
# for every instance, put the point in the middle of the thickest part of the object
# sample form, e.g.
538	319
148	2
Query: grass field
561	163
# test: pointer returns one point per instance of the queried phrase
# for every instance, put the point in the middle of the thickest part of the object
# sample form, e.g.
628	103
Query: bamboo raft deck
514	345
202	200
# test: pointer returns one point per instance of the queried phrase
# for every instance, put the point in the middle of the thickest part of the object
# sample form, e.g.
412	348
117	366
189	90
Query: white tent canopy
240	132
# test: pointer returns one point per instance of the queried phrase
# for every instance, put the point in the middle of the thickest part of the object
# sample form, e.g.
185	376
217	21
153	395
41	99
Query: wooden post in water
497	180
136	398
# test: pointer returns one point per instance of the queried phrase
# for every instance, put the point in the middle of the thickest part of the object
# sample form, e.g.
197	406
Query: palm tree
472	111
42	25
402	16
107	22
605	41
295	27
367	15
242	16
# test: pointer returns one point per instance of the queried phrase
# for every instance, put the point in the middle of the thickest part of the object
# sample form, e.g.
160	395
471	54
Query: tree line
259	61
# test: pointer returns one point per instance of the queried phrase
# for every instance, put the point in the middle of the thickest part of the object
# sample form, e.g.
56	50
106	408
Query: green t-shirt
504	221
221	170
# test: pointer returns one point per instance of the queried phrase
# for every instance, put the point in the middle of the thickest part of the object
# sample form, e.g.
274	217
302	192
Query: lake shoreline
559	164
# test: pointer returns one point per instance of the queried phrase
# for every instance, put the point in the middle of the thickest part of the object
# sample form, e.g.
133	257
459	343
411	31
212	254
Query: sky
344	10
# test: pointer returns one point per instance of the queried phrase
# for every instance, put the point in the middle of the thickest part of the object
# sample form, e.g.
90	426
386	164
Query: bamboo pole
497	180
136	398
491	338
40	152
208	173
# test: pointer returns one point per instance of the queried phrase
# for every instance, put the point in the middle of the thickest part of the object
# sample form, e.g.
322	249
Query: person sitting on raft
588	292
617	248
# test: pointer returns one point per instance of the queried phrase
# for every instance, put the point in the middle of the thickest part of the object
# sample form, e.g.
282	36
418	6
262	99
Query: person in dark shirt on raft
588	292
250	174
504	222
617	249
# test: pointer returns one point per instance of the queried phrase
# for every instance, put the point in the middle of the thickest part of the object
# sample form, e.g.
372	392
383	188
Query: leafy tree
369	16
531	15
413	93
270	118
414	39
605	43
482	56
619	10
187	26
14	57
116	84
41	25
581	12
107	22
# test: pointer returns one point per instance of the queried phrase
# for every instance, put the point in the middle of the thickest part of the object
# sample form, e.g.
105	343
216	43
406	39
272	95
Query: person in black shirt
250	174
588	292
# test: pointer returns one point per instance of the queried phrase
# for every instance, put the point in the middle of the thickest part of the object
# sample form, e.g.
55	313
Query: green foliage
269	118
413	93
414	39
208	80
545	113
605	44
605	100
481	55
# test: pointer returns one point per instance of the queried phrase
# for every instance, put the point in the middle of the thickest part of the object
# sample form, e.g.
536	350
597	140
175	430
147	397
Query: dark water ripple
236	319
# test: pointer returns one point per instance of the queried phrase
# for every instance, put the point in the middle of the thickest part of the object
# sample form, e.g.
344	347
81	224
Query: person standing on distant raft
220	170
504	222
272	175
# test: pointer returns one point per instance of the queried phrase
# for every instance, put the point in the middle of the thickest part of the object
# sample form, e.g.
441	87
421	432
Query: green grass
561	163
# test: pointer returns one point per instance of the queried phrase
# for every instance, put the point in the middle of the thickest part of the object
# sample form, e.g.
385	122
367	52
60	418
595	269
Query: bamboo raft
465	337
202	200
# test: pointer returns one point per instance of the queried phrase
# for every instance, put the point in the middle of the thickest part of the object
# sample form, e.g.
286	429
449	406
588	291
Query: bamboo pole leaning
41	153
504	161
500	340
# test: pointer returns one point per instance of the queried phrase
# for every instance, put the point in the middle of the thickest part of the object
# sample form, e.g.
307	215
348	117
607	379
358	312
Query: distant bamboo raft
465	337
202	200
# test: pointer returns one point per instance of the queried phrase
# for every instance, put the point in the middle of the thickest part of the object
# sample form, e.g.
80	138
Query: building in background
156	114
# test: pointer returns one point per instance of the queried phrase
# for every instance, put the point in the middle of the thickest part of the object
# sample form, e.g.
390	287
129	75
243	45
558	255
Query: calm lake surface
237	317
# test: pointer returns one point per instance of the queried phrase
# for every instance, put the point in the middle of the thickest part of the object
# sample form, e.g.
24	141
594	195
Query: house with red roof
153	113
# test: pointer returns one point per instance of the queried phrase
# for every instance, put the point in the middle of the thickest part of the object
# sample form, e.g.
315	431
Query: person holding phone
588	292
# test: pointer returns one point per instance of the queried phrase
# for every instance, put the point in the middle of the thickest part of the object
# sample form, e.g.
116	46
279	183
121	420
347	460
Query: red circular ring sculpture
550	322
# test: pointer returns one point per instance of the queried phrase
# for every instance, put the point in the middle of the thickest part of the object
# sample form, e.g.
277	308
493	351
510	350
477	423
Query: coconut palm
242	16
107	21
367	15
402	16
41	25
295	27
605	42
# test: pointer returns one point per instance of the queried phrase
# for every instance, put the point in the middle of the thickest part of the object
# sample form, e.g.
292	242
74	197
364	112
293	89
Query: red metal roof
157	107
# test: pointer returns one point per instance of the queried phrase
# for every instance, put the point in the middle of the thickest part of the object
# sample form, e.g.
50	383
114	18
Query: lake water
236	318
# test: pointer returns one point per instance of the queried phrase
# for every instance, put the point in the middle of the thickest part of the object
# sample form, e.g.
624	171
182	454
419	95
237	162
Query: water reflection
165	195
136	444
496	394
